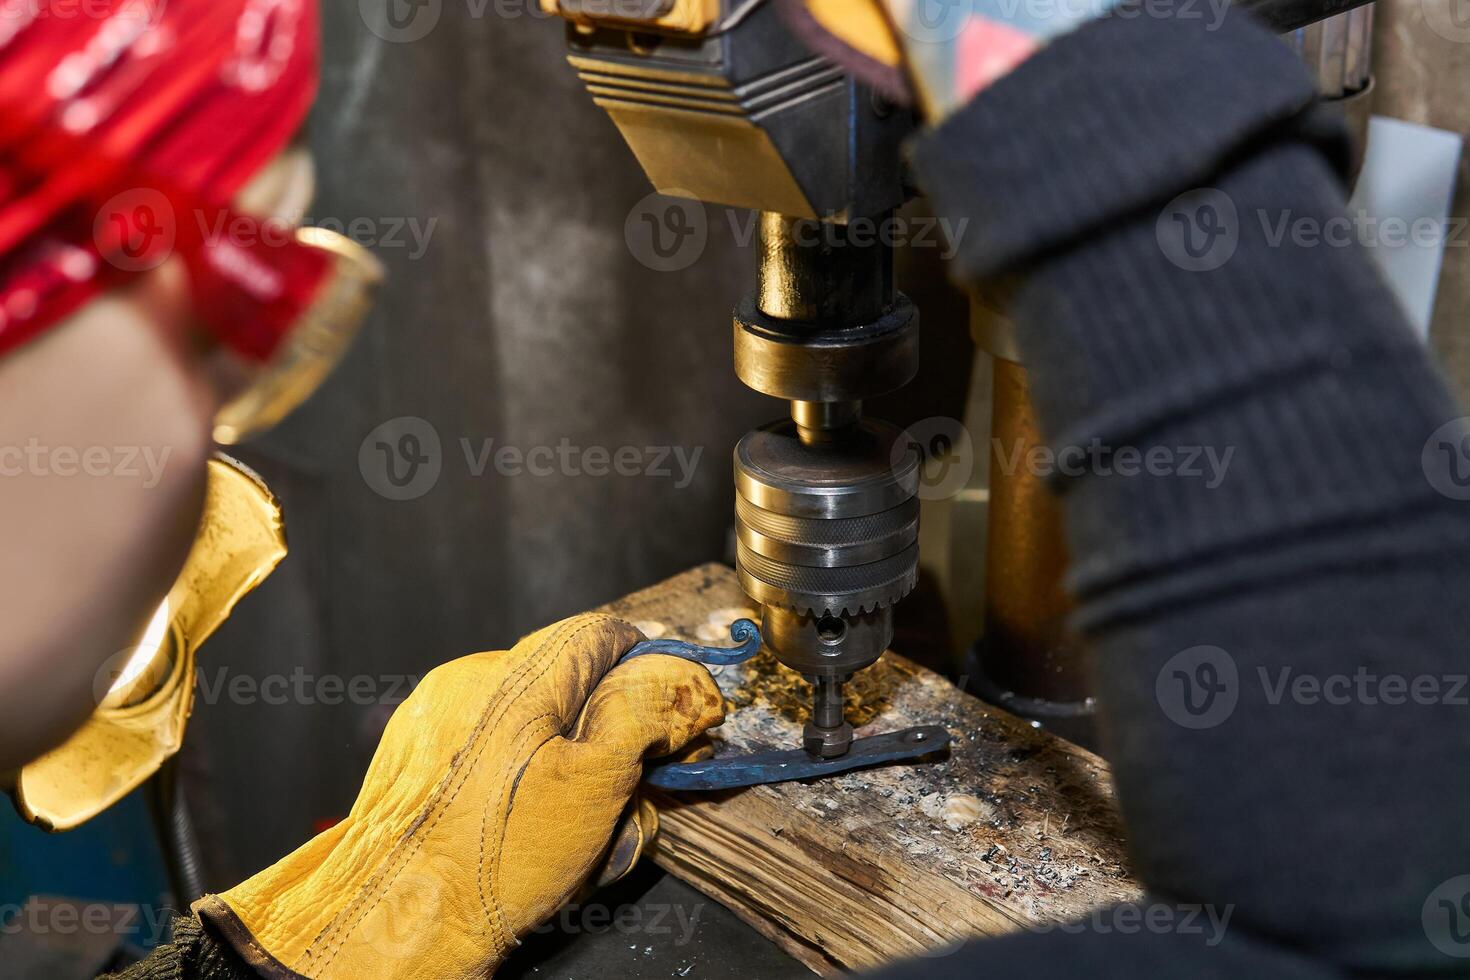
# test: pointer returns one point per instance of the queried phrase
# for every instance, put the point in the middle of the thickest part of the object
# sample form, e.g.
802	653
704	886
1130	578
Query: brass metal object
832	365
824	327
145	693
993	331
1029	660
1028	554
682	16
741	112
849	284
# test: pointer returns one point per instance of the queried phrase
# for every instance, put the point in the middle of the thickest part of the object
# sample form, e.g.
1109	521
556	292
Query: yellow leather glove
494	795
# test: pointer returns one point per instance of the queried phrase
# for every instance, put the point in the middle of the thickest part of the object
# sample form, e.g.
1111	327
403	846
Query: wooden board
1016	827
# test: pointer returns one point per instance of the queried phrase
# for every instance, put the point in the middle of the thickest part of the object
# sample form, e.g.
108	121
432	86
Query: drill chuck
827	542
831	528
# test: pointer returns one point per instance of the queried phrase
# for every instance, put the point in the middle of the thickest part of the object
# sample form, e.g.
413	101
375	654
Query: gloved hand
937	53
494	795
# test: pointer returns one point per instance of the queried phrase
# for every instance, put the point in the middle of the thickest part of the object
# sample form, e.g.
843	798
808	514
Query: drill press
720	102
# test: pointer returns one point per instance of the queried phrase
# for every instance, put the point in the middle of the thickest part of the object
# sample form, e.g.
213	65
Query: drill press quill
825	507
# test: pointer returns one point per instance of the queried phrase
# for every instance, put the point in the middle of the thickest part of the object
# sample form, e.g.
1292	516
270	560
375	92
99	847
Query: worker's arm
193	953
1320	815
105	430
89	553
502	787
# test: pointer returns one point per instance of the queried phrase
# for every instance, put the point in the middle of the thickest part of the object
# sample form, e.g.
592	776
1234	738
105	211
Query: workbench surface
1015	829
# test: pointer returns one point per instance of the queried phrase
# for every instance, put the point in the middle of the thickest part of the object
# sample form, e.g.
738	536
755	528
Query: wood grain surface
1014	828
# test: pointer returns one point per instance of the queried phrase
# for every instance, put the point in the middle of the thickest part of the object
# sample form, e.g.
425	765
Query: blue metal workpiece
742	631
781	766
775	766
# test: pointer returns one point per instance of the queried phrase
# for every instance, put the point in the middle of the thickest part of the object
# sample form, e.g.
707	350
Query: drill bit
828	734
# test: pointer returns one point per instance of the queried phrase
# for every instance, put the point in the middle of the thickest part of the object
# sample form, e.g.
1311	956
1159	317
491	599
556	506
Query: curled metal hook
742	631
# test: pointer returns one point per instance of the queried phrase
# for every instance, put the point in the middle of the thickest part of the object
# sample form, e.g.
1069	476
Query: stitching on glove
342	926
492	909
579	730
507	938
346	922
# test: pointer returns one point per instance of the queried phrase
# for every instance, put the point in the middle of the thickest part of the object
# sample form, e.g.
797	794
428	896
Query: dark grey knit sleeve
1270	537
192	954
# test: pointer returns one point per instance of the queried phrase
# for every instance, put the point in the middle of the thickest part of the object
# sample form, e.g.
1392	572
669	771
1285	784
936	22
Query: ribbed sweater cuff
1115	118
1278	379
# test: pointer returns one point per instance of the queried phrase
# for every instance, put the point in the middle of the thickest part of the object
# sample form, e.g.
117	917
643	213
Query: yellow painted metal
862	25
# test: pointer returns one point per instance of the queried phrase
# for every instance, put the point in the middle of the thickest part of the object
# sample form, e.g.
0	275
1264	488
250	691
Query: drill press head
737	111
721	102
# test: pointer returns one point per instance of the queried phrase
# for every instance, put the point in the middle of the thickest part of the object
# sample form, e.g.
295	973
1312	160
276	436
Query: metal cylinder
830	646
818	422
832	364
828	734
824	324
827	542
1028	661
1282	16
813	272
828	710
1339	53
